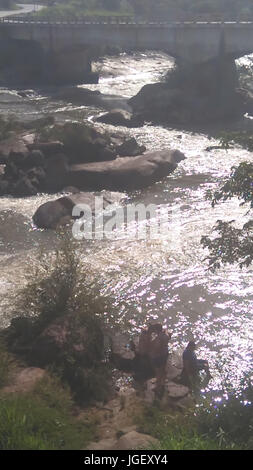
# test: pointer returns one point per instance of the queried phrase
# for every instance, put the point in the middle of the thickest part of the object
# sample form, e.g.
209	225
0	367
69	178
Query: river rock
172	372
48	149
154	100
122	356
118	117
130	148
193	94
57	170
4	187
176	390
35	159
83	143
126	173
59	212
26	186
87	97
136	441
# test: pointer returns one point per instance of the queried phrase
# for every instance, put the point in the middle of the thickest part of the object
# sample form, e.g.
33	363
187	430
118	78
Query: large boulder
56	213
155	100
126	173
82	142
68	335
193	93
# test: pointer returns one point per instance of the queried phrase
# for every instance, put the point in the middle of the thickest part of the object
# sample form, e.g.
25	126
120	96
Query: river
165	278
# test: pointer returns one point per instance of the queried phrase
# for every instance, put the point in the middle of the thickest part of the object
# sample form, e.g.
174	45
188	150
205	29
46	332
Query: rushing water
165	278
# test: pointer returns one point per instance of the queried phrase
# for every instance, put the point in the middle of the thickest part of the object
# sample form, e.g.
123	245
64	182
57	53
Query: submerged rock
120	117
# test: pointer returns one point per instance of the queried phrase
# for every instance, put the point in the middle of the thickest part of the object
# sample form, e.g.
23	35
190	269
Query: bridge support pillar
71	65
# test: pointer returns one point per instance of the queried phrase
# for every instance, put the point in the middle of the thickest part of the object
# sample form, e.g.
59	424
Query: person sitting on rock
192	365
158	355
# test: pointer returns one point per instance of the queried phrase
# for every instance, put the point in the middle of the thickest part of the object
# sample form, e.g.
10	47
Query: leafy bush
58	291
231	420
232	244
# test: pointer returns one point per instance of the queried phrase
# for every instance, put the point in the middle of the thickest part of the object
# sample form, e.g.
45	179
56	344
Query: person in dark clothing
152	354
158	354
143	366
192	365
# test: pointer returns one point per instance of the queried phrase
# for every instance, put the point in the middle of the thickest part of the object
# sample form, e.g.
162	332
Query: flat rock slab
133	440
126	173
176	390
25	380
172	372
120	346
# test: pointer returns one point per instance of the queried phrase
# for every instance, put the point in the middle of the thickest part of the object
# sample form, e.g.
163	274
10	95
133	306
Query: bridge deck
122	21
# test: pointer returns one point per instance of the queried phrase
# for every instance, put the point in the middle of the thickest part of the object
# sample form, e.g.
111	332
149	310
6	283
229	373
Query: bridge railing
84	20
201	19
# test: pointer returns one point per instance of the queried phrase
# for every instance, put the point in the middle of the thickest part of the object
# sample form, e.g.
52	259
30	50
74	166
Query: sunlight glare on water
167	278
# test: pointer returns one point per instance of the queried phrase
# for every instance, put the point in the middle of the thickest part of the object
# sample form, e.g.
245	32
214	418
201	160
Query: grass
178	431
7	365
42	420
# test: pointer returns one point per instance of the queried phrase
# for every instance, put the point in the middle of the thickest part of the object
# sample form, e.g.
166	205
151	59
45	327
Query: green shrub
229	421
58	288
180	431
42	420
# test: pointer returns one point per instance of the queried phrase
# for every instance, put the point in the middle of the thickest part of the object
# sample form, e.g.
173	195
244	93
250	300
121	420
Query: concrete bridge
69	45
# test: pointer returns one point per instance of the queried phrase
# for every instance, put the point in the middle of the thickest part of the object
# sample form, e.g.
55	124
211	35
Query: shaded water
166	278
